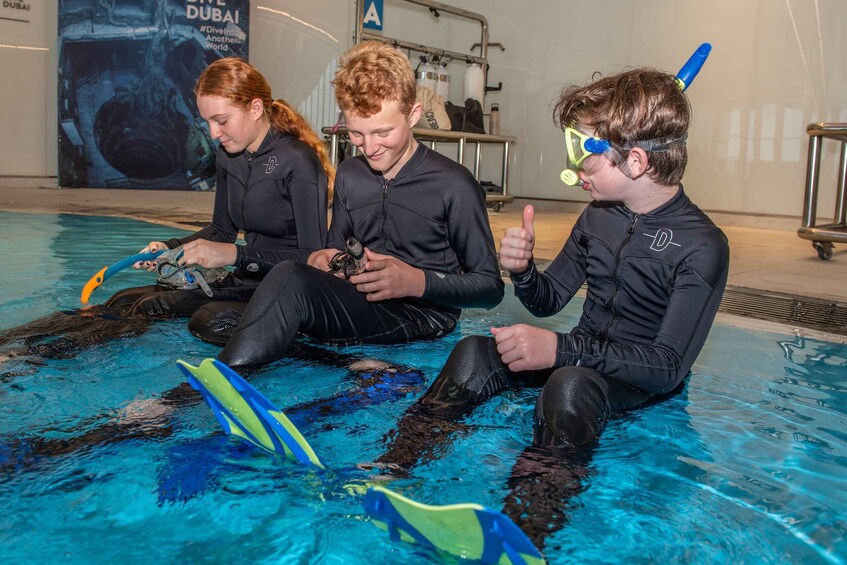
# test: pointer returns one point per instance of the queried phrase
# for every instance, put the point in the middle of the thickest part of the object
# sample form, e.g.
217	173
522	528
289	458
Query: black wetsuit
431	216
277	196
655	283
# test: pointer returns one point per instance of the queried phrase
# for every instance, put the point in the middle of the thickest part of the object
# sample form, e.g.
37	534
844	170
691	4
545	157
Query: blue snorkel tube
691	67
106	272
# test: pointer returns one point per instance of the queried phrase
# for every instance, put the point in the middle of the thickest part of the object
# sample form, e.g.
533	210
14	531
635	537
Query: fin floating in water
469	531
244	412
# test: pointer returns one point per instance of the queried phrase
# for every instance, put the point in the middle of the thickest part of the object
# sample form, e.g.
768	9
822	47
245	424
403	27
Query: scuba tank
474	83
443	87
426	74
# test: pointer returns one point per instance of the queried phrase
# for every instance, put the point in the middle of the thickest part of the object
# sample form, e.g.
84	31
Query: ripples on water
746	464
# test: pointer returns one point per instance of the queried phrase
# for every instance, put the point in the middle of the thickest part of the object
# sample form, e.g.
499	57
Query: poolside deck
767	255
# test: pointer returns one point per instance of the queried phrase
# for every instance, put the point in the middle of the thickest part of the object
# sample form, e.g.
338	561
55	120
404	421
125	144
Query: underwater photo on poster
127	114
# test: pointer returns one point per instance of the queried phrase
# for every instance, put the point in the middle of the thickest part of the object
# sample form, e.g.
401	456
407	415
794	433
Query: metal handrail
835	130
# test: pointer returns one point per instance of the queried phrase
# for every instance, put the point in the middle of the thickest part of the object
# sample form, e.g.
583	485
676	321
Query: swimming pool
746	465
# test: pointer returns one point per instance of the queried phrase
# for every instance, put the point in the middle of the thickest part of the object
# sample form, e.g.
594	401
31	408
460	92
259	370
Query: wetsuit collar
678	200
415	161
265	146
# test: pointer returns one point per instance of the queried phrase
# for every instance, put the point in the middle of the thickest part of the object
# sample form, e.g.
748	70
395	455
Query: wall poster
127	114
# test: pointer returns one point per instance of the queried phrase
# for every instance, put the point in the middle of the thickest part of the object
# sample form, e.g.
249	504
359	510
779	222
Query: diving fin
469	531
244	412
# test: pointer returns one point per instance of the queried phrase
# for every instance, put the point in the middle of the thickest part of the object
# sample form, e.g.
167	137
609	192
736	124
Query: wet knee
572	408
215	322
127	297
465	376
151	305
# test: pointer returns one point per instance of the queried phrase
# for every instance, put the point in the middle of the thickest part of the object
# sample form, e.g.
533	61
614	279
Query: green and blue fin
469	531
242	411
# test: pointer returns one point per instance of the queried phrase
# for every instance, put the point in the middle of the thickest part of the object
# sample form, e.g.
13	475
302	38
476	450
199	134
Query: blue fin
243	411
188	468
465	530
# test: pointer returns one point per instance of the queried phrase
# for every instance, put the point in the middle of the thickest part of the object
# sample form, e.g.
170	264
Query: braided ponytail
288	121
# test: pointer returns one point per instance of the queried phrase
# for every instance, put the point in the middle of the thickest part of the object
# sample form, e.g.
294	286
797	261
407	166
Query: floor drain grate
802	311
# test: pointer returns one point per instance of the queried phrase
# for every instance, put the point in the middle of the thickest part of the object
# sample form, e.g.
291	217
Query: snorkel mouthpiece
570	178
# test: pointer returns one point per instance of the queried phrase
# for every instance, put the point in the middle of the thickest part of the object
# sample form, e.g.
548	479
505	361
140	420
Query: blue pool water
746	465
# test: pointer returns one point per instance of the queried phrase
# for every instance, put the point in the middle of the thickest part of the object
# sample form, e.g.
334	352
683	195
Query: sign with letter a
373	14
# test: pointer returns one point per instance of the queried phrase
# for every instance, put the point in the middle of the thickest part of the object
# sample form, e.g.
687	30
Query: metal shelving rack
435	7
433	137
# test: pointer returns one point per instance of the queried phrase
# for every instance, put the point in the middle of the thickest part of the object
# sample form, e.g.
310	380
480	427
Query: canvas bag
433	114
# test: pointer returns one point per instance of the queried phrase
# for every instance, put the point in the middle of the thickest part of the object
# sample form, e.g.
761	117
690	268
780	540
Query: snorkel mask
188	277
579	146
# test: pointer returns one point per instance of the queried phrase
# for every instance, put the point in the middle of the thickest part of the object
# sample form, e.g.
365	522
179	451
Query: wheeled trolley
823	236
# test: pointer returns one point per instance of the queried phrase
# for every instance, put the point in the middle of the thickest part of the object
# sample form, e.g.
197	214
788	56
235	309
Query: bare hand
151	247
388	277
320	259
526	348
208	254
517	243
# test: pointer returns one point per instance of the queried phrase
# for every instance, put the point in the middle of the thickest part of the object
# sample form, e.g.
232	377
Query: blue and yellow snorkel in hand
106	272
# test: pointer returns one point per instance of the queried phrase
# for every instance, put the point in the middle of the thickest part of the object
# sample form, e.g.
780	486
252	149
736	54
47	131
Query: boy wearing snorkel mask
655	266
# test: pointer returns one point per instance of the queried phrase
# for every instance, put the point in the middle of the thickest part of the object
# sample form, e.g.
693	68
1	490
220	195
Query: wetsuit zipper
616	277
246	185
383	232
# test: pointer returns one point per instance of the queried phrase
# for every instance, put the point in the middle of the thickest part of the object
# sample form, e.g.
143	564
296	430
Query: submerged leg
570	413
62	335
128	313
542	487
472	374
373	382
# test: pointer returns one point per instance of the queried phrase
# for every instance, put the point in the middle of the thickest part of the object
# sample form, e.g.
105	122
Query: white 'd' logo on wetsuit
270	165
661	239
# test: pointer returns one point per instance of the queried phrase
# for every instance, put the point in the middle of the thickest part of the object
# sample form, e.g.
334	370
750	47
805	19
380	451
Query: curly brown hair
240	82
636	105
371	73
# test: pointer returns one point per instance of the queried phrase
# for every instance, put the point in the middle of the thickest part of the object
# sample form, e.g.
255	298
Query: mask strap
658	144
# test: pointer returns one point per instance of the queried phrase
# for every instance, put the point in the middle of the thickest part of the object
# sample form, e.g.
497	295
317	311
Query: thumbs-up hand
517	243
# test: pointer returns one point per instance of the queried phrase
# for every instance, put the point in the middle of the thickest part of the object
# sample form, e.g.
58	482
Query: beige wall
28	112
776	66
